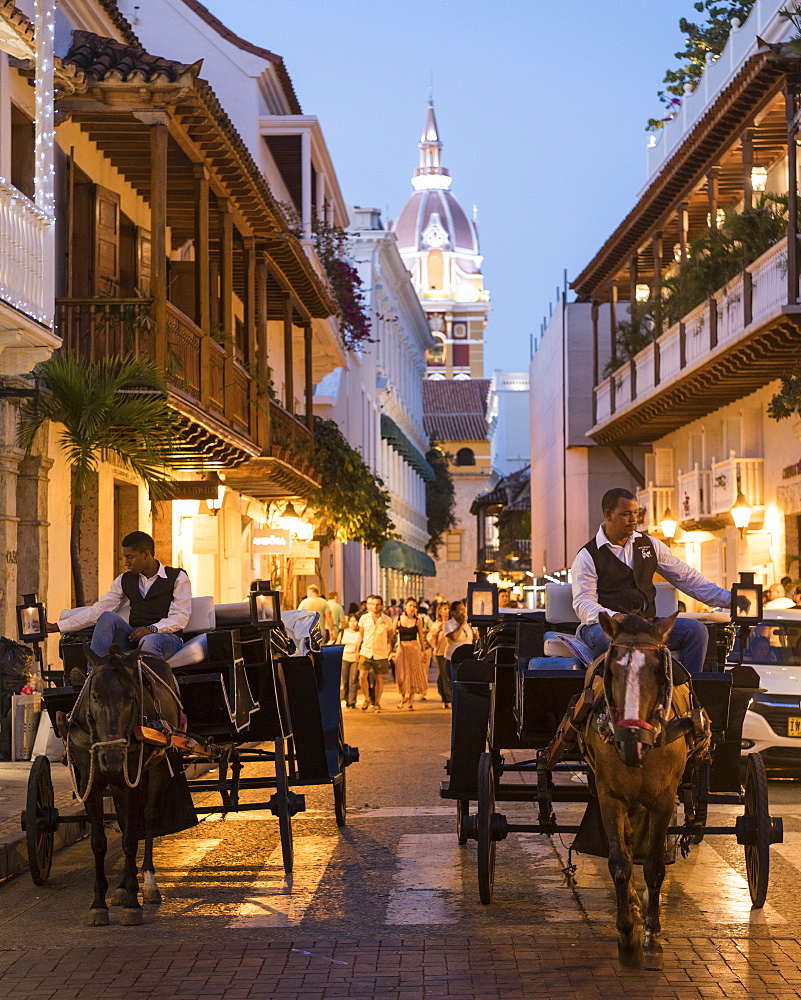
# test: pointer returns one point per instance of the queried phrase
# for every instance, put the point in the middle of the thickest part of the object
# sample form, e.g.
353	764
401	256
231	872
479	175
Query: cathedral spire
430	175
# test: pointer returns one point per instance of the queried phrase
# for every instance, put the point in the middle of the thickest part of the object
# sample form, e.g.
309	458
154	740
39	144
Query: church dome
432	218
435	220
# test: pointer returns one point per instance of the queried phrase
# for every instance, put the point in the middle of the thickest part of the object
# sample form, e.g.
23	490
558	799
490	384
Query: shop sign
304	567
204	535
271	541
200	489
305	550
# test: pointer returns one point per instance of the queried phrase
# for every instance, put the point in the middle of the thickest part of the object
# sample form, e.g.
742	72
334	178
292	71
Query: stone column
32	493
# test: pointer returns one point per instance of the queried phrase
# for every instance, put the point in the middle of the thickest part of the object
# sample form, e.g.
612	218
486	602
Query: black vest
621	588
155	605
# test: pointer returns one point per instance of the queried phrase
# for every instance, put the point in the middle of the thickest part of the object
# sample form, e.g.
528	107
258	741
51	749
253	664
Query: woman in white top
351	637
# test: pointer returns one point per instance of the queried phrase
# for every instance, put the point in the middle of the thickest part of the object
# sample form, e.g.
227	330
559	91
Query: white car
772	723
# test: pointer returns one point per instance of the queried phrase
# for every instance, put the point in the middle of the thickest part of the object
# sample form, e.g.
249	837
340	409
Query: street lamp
668	524
759	179
482	601
290	519
32	626
741	513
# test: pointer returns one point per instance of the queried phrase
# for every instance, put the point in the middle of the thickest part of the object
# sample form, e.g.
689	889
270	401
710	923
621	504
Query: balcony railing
24	278
736	475
687	345
184	341
289	434
654	501
695	494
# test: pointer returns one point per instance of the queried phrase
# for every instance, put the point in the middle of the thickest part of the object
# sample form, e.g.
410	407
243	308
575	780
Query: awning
404	447
399	555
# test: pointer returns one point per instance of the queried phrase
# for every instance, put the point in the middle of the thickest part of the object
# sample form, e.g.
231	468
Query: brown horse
637	744
103	753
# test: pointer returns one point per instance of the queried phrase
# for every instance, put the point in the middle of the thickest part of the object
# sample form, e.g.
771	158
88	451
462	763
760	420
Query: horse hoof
131	917
652	960
151	896
97	918
117	898
630	958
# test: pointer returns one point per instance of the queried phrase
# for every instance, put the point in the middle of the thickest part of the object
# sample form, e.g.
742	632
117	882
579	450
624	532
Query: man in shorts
378	633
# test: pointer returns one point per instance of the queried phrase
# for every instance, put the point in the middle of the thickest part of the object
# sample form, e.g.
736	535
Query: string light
44	182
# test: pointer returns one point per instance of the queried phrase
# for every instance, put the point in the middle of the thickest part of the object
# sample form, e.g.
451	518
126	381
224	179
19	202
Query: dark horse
637	744
120	693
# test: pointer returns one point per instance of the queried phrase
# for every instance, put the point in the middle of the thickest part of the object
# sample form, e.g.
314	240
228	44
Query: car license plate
794	726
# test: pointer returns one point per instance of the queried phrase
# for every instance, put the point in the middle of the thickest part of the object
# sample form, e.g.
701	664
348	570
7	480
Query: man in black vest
614	572
160	599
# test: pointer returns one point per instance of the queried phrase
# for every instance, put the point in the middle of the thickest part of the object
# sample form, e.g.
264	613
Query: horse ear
609	625
129	657
666	625
91	656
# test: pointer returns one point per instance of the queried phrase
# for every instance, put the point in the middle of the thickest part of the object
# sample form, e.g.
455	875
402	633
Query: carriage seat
559	602
201	619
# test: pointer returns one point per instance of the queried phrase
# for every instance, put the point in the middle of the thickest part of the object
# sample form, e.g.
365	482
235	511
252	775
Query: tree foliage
115	406
708	36
440	499
351	503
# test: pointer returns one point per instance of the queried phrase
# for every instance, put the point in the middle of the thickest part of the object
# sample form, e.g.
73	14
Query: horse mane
633	624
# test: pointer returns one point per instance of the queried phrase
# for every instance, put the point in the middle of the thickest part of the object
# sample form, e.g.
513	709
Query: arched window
436	354
465	456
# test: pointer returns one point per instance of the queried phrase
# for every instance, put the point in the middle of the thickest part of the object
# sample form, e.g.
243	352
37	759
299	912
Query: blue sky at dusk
541	106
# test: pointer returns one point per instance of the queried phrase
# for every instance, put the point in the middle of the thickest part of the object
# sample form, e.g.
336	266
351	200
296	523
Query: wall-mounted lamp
642	293
668	525
215	505
741	513
759	179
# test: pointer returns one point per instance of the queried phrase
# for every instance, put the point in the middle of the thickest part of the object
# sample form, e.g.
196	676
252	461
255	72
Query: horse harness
157	733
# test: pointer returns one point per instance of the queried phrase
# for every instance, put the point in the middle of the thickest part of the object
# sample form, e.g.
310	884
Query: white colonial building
377	401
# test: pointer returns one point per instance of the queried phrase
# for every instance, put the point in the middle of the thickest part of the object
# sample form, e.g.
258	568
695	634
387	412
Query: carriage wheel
40	820
282	807
486	843
757	853
341	798
462	814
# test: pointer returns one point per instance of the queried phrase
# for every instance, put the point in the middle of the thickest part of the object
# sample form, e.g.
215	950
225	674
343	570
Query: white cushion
194	651
559	603
69	612
554	646
667	600
202	618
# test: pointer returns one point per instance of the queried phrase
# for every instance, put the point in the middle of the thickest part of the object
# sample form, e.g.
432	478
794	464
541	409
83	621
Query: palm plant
117	406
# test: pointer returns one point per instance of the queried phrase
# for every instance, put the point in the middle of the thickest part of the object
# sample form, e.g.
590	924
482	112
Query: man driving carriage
614	572
161	603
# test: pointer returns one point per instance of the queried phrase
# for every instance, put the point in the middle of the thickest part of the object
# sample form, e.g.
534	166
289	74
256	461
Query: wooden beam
628	465
202	277
791	108
307	365
158	235
289	375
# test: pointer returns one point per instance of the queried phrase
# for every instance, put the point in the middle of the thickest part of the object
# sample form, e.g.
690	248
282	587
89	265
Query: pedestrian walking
350	637
458	631
410	674
437	640
378	634
313	602
337	613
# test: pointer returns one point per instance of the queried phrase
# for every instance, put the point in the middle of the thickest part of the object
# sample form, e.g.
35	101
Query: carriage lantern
746	601
31	619
265	605
482	601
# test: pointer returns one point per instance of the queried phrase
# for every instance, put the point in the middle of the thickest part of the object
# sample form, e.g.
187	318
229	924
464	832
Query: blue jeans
688	638
113	630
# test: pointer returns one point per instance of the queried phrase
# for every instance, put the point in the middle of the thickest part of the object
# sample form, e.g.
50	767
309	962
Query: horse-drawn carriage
526	711
247	675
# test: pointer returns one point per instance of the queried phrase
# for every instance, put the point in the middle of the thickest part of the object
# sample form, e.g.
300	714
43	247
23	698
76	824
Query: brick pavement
405	968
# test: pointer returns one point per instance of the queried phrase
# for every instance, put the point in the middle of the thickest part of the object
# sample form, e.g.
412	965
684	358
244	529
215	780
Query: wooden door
143	261
106	259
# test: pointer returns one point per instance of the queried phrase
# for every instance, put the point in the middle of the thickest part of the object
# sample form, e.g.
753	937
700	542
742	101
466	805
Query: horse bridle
627	732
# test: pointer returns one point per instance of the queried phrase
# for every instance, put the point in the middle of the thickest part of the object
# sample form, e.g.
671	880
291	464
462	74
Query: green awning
404	447
399	555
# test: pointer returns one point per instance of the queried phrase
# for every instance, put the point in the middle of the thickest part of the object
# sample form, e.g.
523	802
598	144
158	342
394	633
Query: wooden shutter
710	559
751	433
663	466
650	469
143	264
106	257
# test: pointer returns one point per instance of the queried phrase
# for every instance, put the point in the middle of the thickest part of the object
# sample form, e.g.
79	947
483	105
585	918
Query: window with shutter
751	433
712	445
663	466
710	559
106	262
650	469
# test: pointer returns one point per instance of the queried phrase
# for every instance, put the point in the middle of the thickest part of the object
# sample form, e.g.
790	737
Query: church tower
438	242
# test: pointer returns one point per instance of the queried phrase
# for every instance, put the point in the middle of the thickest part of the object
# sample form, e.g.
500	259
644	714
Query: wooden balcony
25	264
654	501
695	496
224	425
736	475
724	349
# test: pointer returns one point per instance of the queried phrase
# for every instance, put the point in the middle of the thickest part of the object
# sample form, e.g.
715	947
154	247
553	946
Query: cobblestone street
388	907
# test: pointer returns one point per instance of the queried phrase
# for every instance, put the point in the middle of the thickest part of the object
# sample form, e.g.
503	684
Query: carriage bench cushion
554	663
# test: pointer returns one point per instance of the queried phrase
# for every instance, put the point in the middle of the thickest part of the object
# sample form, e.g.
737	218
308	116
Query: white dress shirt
114	599
683	577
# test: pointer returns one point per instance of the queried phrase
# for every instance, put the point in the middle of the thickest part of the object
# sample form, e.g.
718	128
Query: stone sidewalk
403	968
